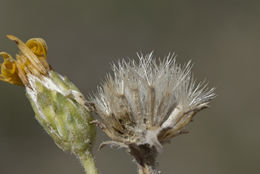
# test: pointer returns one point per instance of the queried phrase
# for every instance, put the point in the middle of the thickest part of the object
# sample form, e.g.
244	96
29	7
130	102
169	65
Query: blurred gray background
221	37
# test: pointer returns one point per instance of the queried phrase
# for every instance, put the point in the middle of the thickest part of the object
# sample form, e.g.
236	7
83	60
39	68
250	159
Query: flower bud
59	108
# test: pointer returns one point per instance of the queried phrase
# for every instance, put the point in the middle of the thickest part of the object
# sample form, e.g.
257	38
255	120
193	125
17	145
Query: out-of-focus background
221	37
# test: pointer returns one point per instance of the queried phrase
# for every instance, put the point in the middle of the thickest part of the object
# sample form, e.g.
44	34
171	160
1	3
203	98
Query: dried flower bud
147	103
58	104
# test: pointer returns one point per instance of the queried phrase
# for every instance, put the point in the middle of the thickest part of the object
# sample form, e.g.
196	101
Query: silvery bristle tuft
147	102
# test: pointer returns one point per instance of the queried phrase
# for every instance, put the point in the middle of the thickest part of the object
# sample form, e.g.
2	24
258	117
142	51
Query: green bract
62	112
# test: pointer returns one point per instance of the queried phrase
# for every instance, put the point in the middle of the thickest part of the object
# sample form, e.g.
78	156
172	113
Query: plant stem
147	170
144	170
88	163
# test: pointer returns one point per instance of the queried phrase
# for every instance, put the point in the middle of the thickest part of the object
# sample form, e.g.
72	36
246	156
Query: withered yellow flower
31	59
58	104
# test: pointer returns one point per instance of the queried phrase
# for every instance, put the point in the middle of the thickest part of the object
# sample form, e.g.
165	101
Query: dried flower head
31	60
146	103
58	104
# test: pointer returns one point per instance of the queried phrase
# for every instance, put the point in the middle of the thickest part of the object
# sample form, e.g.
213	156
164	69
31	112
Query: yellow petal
9	71
38	46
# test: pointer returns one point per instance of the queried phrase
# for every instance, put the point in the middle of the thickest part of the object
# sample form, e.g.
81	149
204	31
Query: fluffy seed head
149	101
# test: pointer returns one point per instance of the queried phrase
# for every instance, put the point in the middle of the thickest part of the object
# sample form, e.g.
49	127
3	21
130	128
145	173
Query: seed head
148	102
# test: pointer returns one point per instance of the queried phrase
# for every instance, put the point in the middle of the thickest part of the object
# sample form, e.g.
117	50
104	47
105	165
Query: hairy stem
88	163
